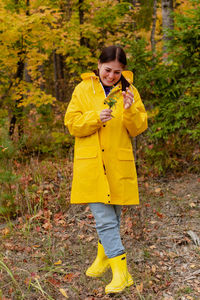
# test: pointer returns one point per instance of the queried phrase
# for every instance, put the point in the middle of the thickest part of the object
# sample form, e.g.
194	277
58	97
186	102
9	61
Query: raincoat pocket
86	152
126	163
85	167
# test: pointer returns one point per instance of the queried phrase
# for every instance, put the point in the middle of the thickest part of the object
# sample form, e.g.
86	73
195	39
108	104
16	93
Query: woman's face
110	72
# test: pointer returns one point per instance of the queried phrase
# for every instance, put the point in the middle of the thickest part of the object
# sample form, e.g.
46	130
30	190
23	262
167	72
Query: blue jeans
107	219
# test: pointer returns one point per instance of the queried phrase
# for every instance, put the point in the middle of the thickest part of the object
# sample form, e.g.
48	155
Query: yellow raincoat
104	169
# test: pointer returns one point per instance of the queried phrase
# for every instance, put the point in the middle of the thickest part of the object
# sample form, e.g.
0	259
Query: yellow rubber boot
121	277
100	264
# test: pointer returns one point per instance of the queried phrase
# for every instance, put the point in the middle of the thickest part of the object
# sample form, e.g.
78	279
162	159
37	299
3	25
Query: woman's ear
99	64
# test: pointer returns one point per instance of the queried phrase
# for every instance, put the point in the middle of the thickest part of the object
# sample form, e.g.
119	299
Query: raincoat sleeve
135	117
80	120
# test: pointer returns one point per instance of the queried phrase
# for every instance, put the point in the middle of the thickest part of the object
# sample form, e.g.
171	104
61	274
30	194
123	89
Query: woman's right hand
105	115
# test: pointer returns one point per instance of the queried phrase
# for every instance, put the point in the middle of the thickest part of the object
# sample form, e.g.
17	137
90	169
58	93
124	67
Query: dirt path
45	257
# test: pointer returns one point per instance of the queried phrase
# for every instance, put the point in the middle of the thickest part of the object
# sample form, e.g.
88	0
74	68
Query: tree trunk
18	111
61	86
83	41
153	30
27	5
66	8
17	116
59	79
167	20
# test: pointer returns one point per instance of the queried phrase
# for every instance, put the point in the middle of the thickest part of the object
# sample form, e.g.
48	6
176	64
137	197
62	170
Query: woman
104	169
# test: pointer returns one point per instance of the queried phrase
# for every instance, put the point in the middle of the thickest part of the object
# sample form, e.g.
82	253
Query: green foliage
170	91
45	133
181	116
7	178
144	17
143	65
7	148
7	195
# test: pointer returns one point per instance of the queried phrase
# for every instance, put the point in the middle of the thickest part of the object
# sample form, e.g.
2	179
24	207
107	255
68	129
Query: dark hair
112	53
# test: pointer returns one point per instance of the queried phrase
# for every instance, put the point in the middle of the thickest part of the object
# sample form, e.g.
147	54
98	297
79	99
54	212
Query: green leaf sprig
110	102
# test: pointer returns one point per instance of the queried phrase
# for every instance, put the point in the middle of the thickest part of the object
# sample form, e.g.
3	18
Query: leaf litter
45	256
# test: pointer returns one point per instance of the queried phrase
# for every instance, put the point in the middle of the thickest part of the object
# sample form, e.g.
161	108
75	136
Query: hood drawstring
93	85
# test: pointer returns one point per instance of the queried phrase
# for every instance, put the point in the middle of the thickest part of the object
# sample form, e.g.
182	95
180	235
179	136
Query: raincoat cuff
132	110
99	119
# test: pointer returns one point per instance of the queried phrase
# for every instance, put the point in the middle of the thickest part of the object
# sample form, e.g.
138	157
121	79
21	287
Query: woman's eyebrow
111	69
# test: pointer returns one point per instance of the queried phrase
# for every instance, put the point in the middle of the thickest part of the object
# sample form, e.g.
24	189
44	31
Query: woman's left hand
128	98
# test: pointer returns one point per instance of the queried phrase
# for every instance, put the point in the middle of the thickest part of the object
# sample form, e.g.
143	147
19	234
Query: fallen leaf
153	222
63	292
139	287
90	216
47	225
53	281
36	246
192	204
62	222
153	268
159	215
5	231
59	262
81	236
172	254
27	281
9	246
90	238
68	277
152	247
157	190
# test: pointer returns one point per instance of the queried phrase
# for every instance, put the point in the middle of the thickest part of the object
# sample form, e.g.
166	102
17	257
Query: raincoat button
108	195
102	150
104	125
108	201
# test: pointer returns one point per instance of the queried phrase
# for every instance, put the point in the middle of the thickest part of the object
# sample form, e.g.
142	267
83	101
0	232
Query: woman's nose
111	75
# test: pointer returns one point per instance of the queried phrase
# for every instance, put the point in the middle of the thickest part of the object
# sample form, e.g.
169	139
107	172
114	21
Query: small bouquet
111	102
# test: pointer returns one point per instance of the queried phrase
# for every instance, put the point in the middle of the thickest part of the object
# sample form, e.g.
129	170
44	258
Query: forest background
44	47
